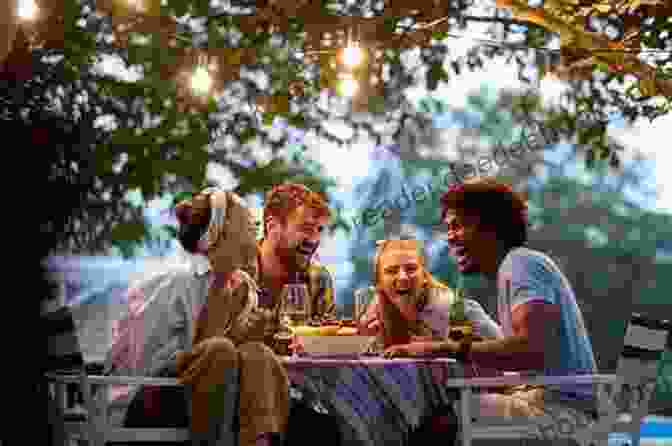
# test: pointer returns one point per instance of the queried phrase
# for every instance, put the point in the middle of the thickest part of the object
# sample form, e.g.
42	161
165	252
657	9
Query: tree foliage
277	60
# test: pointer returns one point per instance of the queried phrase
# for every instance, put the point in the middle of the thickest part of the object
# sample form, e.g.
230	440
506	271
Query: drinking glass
363	298
295	304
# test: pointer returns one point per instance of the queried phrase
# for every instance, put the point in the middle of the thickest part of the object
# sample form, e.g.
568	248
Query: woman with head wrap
203	324
231	330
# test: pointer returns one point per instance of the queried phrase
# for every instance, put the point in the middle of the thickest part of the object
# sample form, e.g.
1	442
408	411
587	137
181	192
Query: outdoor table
377	401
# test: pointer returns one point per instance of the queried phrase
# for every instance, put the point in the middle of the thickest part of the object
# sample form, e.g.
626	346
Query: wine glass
295	304
363	298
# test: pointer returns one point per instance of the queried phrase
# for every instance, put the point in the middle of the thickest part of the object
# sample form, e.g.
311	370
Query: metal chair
66	366
629	390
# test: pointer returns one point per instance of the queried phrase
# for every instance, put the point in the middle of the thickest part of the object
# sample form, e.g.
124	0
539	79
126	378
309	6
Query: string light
27	9
347	86
201	81
352	55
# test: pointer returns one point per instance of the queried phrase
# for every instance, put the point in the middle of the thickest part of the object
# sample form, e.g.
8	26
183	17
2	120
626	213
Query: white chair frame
95	427
633	375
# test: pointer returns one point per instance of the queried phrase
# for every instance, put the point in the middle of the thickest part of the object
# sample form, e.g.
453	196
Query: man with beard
195	324
543	327
205	326
294	220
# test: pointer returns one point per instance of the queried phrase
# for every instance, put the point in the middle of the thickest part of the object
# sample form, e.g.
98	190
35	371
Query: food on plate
348	323
347	331
307	330
330	322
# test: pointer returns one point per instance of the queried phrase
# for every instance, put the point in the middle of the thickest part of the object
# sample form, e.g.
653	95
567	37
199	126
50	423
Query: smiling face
472	245
297	240
401	275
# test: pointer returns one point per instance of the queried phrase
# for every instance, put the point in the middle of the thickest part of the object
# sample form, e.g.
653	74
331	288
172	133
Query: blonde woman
410	305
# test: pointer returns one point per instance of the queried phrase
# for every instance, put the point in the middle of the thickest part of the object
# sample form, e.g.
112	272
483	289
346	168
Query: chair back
639	364
646	338
63	347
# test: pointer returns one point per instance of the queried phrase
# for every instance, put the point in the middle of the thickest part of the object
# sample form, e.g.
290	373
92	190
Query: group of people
212	326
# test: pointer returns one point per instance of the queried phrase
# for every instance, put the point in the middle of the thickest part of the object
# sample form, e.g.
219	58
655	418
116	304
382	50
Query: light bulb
201	80
352	56
348	87
27	9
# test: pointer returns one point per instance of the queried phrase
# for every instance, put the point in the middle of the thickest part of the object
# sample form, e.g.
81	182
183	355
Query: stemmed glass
295	304
363	298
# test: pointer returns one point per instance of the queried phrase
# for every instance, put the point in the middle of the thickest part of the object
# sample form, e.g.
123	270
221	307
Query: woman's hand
414	349
370	328
422	338
370	324
296	346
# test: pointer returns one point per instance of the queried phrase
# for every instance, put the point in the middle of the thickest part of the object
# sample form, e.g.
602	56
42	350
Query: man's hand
296	346
419	349
414	349
422	338
370	328
182	359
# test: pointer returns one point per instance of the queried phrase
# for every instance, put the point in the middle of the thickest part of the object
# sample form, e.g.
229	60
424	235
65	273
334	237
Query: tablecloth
378	402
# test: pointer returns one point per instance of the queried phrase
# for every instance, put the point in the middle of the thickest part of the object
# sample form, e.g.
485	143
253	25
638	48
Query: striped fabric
377	402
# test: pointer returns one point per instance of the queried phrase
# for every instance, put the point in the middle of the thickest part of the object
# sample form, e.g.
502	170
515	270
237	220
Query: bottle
459	326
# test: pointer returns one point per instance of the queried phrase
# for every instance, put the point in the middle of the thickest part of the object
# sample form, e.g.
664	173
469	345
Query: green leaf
377	104
182	196
434	75
268	118
247	135
297	120
212	105
171	230
390	24
202	8
180	7
129	232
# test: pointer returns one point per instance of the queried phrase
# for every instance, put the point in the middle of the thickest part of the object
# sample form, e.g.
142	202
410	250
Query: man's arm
534	325
486	327
164	329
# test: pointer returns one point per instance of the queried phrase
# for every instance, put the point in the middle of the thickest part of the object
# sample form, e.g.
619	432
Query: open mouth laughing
461	255
305	250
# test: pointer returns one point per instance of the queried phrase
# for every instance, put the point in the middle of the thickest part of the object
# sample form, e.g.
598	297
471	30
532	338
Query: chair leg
465	415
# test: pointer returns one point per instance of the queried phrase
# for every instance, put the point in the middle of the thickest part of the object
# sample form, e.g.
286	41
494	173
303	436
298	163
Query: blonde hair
410	245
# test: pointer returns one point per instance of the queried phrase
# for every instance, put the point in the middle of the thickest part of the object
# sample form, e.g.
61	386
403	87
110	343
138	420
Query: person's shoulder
442	294
174	277
526	259
320	270
241	279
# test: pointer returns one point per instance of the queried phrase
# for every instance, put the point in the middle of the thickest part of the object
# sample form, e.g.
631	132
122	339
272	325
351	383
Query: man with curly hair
543	327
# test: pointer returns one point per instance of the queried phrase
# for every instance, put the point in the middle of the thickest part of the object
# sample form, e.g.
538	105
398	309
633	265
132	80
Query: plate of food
332	340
